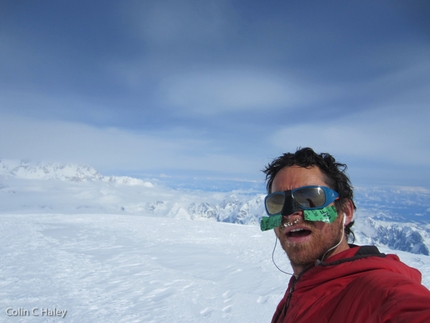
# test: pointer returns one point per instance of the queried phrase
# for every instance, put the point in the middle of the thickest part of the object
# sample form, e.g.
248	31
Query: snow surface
118	249
129	268
125	268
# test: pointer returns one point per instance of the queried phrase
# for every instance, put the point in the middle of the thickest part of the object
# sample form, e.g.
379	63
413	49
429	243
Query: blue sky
214	90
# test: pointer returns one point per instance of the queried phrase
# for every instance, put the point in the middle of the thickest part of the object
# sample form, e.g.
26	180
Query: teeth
296	230
289	224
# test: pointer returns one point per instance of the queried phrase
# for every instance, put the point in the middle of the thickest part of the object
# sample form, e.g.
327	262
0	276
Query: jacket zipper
290	295
287	303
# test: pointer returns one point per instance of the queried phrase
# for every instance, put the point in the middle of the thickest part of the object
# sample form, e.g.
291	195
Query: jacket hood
358	260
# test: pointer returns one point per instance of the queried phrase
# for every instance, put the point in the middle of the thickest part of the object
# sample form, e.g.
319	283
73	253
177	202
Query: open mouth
295	233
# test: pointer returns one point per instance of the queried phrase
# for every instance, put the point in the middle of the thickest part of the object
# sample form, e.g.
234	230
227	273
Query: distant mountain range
64	172
394	217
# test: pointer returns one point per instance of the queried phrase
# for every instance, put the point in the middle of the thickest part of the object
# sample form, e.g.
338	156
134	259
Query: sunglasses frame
330	197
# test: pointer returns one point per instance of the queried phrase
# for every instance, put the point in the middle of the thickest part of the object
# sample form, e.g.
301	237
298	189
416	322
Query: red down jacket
358	285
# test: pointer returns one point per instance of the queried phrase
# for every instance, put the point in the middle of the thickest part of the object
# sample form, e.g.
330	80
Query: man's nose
295	213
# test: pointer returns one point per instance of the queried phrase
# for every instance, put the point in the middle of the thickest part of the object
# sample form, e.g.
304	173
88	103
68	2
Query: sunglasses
301	198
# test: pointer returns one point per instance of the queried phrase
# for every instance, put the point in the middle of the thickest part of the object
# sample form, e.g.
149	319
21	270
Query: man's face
304	241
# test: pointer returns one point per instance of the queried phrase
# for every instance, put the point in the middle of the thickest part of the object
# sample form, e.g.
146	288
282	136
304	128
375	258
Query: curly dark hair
333	171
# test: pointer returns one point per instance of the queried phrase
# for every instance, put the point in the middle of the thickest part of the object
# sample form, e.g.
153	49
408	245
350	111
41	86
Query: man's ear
348	210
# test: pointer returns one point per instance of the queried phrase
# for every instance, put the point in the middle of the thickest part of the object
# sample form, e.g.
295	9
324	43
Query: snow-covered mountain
383	217
64	172
117	249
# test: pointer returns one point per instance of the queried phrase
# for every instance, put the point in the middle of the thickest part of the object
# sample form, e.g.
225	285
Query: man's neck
299	268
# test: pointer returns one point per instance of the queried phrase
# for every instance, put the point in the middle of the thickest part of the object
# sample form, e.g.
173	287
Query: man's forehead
291	177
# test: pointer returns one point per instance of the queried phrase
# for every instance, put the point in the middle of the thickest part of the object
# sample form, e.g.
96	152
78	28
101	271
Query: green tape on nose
327	214
270	222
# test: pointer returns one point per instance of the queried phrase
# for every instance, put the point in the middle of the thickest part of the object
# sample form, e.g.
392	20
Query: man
310	207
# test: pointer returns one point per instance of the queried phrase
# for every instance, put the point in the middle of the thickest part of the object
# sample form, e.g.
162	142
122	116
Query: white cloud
217	90
388	134
112	148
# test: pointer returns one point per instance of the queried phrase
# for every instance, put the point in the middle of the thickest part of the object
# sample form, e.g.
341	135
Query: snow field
125	268
129	268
